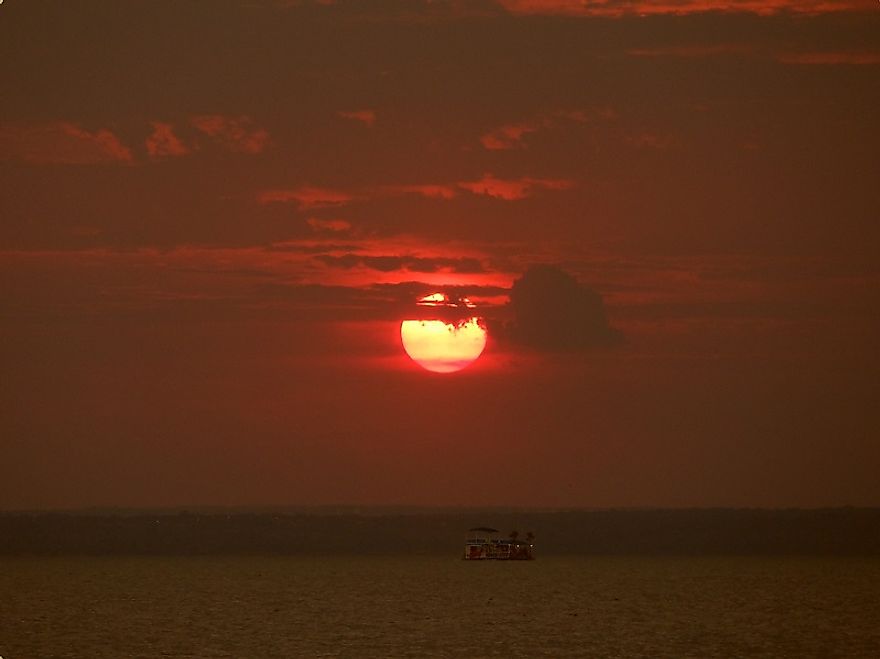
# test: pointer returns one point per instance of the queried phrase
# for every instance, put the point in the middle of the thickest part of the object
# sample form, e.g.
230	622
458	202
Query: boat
483	543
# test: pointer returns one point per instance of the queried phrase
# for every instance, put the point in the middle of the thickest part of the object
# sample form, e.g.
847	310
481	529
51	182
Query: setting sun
444	346
448	345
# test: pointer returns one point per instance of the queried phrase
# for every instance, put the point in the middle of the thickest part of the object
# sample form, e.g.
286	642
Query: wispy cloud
235	133
694	50
831	57
328	226
508	136
366	117
392	263
651	141
62	143
513	189
429	190
511	135
163	143
307	197
619	8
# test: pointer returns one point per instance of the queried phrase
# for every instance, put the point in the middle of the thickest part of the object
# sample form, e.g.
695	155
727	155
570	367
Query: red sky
214	216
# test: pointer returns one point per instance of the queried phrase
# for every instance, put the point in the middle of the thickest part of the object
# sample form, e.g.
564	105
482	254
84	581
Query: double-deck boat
482	543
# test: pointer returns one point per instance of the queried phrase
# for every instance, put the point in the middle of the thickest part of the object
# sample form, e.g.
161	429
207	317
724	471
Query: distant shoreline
340	530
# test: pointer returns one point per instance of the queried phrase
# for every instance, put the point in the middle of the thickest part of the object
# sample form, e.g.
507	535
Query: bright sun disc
443	347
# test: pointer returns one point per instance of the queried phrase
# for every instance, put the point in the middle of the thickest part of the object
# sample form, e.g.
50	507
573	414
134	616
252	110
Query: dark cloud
553	311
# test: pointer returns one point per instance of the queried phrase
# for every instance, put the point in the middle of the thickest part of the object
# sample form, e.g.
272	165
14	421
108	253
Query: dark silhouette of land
837	531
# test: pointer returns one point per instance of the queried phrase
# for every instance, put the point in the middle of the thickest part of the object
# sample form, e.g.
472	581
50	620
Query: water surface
421	606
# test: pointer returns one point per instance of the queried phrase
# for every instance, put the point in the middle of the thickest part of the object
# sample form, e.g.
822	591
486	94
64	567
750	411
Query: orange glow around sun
440	346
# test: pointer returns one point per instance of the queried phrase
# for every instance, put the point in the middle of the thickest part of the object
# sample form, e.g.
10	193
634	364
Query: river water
427	606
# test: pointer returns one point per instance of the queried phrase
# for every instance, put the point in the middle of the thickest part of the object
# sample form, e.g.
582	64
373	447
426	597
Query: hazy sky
214	216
